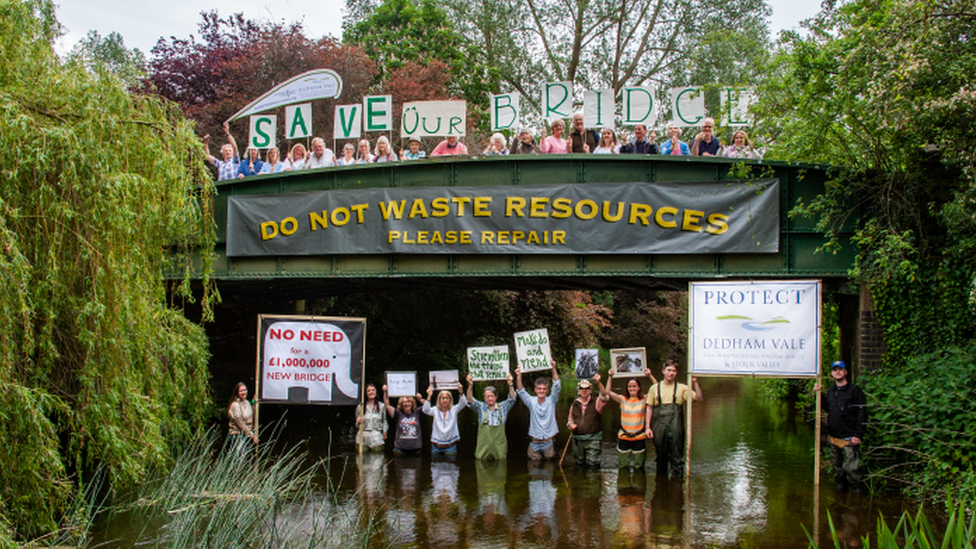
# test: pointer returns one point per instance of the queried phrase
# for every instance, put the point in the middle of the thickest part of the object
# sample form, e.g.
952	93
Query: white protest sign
401	384
444	380
347	123
434	119
378	113
298	121
532	350
687	106
557	100
504	111
488	363
314	84
263	131
735	106
598	106
638	106
311	357
768	328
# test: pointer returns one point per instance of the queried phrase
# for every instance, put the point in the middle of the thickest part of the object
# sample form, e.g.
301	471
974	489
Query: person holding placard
449	146
252	166
496	145
231	159
525	144
674	146
665	419
608	143
296	158
556	143
272	161
641	144
492	442
321	156
706	144
741	147
363	156
444	434
583	141
372	435
406	422
586	423
632	437
348	157
383	152
542	414
413	151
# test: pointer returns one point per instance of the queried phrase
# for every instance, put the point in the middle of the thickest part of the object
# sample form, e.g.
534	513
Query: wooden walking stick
570	439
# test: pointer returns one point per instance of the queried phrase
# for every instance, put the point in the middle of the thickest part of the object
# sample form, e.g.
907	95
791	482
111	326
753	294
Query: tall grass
916	532
224	497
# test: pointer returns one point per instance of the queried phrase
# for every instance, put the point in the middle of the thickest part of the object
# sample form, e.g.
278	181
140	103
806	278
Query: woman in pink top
555	143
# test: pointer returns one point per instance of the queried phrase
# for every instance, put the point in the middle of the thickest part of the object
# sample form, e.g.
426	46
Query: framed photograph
444	380
628	362
401	384
587	363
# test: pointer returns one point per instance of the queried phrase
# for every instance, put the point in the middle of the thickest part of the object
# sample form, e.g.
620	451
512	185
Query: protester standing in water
586	423
542	414
492	442
632	437
369	415
847	421
665	419
406	424
444	434
241	426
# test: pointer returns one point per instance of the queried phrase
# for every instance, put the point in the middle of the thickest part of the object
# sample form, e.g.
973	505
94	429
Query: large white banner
767	328
434	119
317	84
316	360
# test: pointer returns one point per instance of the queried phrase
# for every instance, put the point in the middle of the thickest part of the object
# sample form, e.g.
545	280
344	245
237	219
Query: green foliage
923	431
916	532
109	53
101	192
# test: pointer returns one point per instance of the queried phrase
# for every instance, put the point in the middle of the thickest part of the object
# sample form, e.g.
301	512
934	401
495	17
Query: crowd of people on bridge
577	140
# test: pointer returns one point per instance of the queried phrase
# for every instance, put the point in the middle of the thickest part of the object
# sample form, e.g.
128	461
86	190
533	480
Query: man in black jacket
847	419
640	144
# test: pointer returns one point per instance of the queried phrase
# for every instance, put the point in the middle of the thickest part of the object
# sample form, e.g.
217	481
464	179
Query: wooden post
257	377
688	427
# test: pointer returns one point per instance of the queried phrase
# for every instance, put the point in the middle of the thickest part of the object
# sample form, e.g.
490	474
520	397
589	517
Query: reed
916	532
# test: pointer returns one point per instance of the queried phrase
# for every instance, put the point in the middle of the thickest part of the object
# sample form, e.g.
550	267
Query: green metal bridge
341	273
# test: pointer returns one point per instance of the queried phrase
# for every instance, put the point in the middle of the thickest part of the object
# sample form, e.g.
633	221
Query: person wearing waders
847	422
492	443
666	419
586	423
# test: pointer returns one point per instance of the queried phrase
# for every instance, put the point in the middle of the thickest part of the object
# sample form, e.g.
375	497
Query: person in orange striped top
632	437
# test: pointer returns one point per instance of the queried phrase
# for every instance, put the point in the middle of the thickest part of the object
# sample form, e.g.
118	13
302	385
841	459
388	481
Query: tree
110	52
102	192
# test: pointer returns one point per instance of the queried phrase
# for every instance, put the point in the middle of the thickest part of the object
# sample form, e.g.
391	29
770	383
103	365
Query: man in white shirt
321	157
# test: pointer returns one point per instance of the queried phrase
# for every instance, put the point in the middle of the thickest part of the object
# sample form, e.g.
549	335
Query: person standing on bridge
640	144
525	143
665	419
847	422
583	141
413	151
706	144
492	442
450	146
230	163
542	414
556	143
296	158
674	146
321	156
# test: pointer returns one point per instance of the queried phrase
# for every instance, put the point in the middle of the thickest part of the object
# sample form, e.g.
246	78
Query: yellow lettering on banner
517	235
439	207
559	237
503	237
640	212
607	216
418	208
391	236
465	237
717	223
538	205
359	209
406	238
562	208
394	209
514	206
288	226
461	201
340	216
690	221
452	237
487	237
589	204
265	235
659	217
436	238
481	204
534	238
422	237
316	220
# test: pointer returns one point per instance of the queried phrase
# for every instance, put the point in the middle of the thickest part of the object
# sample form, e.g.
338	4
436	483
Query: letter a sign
298	120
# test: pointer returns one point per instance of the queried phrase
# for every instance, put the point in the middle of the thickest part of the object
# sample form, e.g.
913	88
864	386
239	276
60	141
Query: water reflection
751	485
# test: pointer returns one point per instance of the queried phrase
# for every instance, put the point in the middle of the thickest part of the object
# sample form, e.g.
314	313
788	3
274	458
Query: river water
751	485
